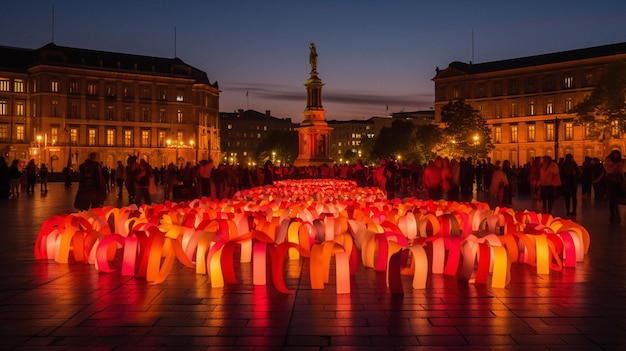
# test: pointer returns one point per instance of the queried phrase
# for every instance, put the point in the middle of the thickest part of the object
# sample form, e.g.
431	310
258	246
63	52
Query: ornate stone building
57	104
528	101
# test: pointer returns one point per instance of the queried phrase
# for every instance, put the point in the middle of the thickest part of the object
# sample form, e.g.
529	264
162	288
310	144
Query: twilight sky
372	54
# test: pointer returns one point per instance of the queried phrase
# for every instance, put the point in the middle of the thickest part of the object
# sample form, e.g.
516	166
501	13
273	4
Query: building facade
58	104
243	132
528	101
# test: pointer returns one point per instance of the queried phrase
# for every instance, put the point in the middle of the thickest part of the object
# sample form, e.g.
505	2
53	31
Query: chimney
268	113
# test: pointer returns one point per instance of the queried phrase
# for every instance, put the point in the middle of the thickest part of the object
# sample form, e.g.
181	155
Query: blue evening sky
372	54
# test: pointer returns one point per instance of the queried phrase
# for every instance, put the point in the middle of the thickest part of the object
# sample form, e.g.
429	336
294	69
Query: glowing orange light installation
315	220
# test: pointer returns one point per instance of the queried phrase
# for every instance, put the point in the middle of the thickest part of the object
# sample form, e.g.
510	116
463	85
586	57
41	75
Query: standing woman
549	179
614	167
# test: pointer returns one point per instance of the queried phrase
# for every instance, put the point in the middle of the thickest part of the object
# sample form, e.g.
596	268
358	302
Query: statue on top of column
313	57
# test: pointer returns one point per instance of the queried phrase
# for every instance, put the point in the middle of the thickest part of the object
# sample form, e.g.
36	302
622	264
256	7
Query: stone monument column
314	132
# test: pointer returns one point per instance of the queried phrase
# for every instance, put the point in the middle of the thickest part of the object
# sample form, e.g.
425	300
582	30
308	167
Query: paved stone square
51	306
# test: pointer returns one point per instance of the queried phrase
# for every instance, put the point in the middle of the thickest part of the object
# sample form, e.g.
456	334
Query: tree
466	132
605	107
278	145
399	139
428	136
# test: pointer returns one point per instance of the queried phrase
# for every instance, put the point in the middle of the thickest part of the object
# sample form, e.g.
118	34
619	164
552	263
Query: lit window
568	83
91	137
92	89
19	109
74	135
128	137
4	84
4	131
4	108
549	107
513	110
54	86
569	130
230	126
498	134
110	137
531	132
161	138
19	132
180	95
514	134
550	131
18	86
54	134
568	104
614	128
179	116
55	108
145	138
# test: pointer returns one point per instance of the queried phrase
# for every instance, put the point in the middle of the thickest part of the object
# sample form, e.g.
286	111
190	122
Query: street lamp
191	143
39	148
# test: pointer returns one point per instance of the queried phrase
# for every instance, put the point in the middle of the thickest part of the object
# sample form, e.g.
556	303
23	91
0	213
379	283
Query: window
531	108
549	131
179	116
514	134
514	87
455	92
54	134
162	116
74	135
179	137
568	105
34	111
5	84
128	113
588	79
145	93
514	112
55	108
568	82
18	86
145	138
4	131
54	86
110	113
110	90
161	138
497	89
497	111
74	88
569	131
482	91
180	95
19	132
615	128
128	137
145	115
91	136
74	109
549	107
19	108
4	108
230	126
548	83
110	137
530	132
497	131
162	95
530	85
92	112
127	92
92	89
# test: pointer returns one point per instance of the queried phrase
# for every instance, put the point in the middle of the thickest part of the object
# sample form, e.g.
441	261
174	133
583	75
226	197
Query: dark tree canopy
466	132
284	145
605	106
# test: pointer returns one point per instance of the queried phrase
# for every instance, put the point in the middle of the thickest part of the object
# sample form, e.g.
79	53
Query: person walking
5	185
131	164
120	175
91	188
549	180
43	178
615	183
31	176
141	175
570	173
15	177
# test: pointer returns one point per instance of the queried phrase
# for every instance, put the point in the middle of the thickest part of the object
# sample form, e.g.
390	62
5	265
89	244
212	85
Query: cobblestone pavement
45	305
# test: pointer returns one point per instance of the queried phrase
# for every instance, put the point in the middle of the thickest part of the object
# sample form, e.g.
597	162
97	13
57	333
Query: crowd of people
441	178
